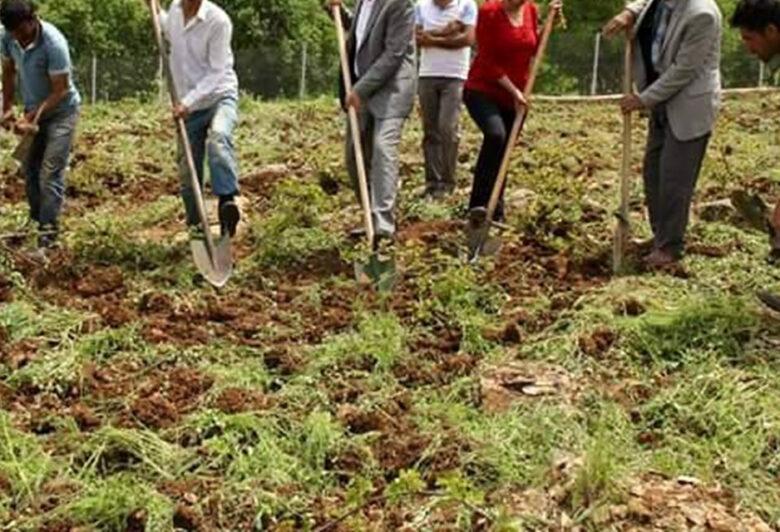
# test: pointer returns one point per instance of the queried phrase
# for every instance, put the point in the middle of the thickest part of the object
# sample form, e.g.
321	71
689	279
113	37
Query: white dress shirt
366	9
201	55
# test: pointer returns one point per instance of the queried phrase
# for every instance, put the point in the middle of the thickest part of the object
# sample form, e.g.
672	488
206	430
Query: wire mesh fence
578	63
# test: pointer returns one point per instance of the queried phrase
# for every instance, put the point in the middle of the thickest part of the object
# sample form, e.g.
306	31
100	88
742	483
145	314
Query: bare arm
453	41
59	89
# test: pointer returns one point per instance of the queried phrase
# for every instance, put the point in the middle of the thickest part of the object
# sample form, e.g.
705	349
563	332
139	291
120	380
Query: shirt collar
36	41
203	10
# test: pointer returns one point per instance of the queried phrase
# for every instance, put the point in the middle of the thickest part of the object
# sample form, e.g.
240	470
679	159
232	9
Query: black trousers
495	122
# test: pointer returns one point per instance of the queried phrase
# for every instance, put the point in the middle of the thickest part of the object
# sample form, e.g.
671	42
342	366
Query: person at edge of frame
759	24
37	53
677	47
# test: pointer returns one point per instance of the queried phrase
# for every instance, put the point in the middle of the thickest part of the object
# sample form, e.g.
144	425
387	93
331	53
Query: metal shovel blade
382	273
218	271
479	241
22	149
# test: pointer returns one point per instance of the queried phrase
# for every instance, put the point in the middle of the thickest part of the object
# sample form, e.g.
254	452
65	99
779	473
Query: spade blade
217	269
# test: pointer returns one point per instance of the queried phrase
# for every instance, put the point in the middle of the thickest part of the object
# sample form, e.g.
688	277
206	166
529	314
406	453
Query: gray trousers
671	171
440	101
380	138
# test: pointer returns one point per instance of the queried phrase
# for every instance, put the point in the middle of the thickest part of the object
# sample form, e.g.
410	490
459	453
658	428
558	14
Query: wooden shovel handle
354	125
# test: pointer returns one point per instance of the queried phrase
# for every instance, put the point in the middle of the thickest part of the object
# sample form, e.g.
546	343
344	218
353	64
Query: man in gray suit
380	45
677	73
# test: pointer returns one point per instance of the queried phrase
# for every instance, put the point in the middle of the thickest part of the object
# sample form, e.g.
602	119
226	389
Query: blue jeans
210	132
44	169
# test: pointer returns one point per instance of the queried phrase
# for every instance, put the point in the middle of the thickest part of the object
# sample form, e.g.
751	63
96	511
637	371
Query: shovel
379	270
623	227
28	132
212	258
478	231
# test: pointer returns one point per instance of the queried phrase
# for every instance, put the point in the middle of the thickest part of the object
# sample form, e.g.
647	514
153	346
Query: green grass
376	417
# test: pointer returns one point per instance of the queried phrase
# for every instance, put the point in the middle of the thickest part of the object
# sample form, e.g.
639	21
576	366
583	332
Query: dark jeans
671	171
495	122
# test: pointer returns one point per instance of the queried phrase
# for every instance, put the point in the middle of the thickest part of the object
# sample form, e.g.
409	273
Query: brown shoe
660	259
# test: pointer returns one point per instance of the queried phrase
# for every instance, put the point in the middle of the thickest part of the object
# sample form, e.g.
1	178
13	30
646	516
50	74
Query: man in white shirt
201	60
446	31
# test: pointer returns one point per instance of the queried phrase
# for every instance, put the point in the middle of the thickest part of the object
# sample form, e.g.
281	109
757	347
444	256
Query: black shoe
770	300
477	216
229	216
357	233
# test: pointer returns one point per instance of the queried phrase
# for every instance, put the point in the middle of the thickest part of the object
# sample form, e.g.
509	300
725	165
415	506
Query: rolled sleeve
469	14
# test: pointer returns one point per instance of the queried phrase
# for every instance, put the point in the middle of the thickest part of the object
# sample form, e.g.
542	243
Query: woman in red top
507	39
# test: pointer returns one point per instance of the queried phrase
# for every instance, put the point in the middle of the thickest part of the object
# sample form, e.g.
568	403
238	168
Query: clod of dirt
136	521
5	484
100	281
509	333
282	360
221	312
155	411
155	302
187	518
630	307
236	400
6	289
502	387
358	421
84	417
598	342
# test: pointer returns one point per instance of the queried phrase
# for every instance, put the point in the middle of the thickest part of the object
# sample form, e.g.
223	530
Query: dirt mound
504	386
236	400
155	411
99	281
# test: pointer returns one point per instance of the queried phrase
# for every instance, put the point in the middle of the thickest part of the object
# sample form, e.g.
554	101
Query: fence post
594	87
761	74
160	81
304	60
94	79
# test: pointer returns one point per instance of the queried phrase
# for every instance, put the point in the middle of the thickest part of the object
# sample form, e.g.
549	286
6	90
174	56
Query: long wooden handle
181	129
354	128
622	227
519	122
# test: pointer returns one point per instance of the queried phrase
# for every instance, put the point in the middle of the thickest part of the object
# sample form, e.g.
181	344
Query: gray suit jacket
689	84
387	59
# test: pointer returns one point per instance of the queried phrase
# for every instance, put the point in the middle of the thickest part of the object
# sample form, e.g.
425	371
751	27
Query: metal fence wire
578	63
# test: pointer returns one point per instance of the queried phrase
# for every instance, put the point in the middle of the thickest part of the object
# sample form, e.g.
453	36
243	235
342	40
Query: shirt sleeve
5	51
418	19
59	58
468	14
220	60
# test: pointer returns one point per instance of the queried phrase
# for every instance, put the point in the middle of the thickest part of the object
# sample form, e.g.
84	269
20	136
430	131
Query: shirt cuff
189	100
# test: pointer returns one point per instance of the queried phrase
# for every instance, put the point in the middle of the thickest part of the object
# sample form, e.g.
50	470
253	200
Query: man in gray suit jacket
380	45
677	73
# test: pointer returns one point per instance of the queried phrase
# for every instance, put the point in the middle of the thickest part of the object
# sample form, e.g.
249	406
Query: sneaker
229	216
